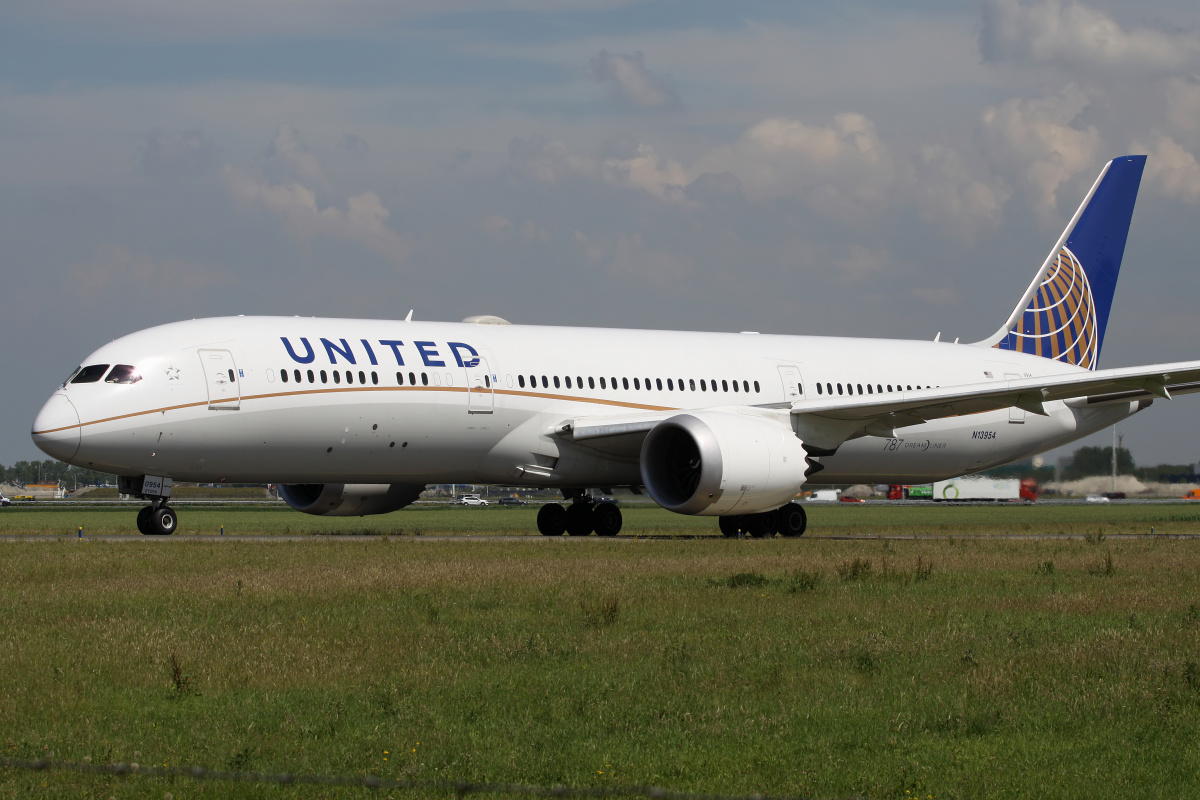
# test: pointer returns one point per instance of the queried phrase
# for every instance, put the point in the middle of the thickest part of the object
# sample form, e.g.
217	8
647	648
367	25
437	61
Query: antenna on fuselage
409	317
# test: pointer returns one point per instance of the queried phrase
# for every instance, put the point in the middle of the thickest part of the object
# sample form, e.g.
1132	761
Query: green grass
972	667
880	519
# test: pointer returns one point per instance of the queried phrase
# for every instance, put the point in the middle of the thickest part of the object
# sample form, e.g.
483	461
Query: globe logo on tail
1060	321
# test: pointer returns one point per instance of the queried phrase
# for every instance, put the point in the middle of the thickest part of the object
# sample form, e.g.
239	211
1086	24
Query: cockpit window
90	374
123	373
72	375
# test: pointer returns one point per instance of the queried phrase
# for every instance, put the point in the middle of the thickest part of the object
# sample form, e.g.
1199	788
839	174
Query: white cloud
364	220
1034	140
177	154
1183	103
1075	35
949	197
1171	169
646	171
289	157
632	81
837	169
116	273
858	263
548	160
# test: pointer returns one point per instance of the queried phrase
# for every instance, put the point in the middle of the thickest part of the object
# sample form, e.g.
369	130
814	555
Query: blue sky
848	169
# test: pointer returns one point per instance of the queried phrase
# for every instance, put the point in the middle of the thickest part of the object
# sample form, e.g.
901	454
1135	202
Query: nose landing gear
157	520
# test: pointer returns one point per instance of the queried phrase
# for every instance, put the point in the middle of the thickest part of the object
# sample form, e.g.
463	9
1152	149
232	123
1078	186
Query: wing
827	422
832	421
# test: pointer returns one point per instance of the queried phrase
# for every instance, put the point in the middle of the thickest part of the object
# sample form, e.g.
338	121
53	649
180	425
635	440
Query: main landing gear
583	516
157	520
788	521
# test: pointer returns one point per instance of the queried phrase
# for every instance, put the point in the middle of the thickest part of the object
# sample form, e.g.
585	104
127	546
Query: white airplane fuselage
231	399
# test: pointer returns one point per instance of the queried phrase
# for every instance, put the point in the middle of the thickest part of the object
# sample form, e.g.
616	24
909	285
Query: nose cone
56	429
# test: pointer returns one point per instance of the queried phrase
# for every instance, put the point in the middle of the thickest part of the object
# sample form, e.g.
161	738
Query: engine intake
716	462
349	499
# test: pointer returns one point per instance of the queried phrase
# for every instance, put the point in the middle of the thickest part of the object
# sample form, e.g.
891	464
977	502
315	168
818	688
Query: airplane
353	417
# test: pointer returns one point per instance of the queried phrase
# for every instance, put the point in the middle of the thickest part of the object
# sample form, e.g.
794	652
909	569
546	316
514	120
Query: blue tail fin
1064	312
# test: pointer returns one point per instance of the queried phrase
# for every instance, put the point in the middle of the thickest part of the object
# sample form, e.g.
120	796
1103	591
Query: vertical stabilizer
1064	312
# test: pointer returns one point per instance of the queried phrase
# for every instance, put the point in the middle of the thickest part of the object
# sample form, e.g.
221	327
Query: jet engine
349	499
717	463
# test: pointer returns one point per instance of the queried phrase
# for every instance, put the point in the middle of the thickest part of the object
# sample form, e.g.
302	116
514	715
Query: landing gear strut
787	521
580	518
157	520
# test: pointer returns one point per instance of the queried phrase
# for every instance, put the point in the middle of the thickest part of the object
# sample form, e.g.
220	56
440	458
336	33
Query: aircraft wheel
606	518
163	521
552	520
730	525
762	526
579	519
791	520
143	520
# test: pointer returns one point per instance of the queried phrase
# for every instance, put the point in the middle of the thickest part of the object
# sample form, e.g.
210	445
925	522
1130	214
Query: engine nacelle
348	499
716	462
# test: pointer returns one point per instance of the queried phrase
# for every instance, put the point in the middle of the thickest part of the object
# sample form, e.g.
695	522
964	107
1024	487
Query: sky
851	169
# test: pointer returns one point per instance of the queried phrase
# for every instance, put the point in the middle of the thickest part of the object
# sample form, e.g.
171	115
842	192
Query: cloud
646	171
1033	139
632	82
177	154
1183	103
289	157
1072	34
353	145
949	197
547	160
859	263
364	220
116	273
1171	169
836	169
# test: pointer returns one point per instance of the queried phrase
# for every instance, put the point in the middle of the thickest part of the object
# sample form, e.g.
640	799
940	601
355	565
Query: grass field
968	667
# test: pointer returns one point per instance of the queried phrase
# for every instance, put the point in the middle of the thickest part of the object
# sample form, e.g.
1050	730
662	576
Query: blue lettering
428	353
309	355
473	361
395	344
370	352
344	350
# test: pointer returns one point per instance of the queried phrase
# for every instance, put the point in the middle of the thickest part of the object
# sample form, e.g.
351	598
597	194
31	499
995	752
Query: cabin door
480	388
222	377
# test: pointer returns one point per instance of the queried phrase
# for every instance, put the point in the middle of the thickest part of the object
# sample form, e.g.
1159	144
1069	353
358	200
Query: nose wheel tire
160	521
552	520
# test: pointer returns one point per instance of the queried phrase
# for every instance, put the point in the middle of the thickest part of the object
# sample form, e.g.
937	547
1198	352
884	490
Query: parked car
511	501
471	500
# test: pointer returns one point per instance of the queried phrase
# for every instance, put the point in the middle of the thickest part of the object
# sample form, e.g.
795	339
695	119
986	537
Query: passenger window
625	382
756	389
231	378
567	379
374	378
123	373
296	375
909	388
362	378
746	387
839	388
860	388
349	376
724	386
692	384
658	383
869	389
337	376
521	381
602	384
703	388
283	376
592	382
311	379
545	382
819	389
556	385
424	379
578	382
889	387
670	385
412	379
399	378
636	384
